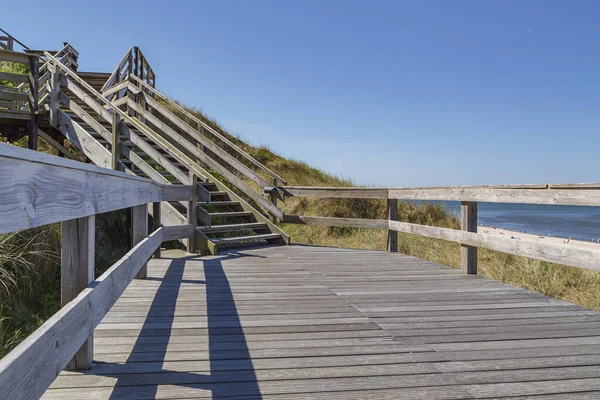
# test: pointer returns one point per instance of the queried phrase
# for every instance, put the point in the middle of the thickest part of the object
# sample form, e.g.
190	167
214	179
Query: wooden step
231	214
224	203
232	227
244	239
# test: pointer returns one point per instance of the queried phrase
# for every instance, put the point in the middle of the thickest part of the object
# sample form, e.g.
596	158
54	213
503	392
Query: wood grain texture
30	368
38	192
468	223
316	322
335	192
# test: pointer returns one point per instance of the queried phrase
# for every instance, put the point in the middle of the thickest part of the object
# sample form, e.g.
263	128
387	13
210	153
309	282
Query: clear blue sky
391	93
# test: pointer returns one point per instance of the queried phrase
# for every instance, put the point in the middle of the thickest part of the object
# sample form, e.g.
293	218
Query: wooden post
10	43
468	223
54	95
273	198
116	140
34	72
392	215
192	214
139	231
77	272
156	223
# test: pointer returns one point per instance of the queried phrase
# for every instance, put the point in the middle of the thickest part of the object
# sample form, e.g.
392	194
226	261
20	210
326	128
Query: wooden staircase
120	121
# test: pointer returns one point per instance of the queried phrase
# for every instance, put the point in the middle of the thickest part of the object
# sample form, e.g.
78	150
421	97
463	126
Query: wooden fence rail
587	194
39	189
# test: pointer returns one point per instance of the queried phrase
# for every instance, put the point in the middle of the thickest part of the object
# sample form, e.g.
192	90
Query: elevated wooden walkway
300	322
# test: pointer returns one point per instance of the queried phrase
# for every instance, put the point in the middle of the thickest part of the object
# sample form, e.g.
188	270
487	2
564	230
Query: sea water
578	222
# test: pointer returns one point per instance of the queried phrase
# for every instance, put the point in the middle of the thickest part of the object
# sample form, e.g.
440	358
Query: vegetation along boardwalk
236	311
312	322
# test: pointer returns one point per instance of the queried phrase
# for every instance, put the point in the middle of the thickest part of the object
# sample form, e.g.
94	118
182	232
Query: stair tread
231	214
220	203
237	239
232	227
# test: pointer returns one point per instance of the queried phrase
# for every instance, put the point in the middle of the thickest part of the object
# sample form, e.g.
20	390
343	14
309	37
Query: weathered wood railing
198	141
469	196
134	63
9	42
38	189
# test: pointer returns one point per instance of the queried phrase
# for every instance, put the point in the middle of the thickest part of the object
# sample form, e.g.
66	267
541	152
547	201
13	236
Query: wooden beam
28	370
34	76
192	215
335	221
175	232
156	220
565	255
392	215
7	76
57	145
335	192
116	141
139	231
40	189
77	272
468	222
574	195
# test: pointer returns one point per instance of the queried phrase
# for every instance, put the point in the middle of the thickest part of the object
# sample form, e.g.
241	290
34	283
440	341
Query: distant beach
507	233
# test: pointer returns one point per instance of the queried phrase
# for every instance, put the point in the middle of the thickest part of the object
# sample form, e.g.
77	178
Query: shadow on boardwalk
231	369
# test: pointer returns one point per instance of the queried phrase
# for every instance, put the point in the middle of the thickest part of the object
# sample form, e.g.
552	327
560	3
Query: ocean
580	223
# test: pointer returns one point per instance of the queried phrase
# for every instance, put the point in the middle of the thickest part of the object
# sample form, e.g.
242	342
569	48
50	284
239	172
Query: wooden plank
565	255
177	193
77	272
334	221
156	222
7	76
139	231
30	368
203	126
56	145
468	222
116	141
175	232
51	189
16	57
259	180
335	192
576	195
392	214
13	96
192	215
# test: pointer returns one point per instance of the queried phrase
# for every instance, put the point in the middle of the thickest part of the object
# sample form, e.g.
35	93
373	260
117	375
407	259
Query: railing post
192	214
392	215
139	231
273	199
116	140
77	272
468	222
156	223
34	72
54	95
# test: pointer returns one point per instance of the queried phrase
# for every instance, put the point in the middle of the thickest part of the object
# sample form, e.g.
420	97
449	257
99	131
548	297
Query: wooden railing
148	105
38	189
132	64
469	196
9	42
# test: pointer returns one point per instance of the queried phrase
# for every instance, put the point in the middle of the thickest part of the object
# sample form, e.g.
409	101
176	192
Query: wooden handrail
584	194
213	132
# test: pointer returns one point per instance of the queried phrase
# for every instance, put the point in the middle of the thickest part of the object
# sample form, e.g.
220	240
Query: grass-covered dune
30	271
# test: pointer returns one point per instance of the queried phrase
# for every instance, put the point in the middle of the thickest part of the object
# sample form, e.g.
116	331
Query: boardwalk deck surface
301	322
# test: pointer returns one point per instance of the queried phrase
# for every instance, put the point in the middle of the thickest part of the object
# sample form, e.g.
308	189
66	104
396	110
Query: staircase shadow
230	368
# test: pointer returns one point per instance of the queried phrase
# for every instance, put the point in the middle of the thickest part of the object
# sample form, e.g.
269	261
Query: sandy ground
535	238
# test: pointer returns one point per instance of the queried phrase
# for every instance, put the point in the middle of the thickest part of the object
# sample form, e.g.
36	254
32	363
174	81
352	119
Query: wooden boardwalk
302	322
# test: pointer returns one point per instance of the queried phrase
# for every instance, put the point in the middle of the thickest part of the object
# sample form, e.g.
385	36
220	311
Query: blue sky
390	93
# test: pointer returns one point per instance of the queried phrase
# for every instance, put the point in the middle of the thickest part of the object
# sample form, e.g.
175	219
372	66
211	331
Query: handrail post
273	198
34	72
54	94
139	231
392	215
116	141
77	272
192	214
468	222
156	223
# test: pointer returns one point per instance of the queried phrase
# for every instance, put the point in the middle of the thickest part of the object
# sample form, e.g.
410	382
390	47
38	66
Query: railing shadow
231	370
